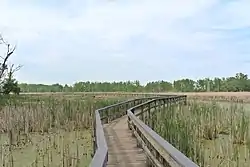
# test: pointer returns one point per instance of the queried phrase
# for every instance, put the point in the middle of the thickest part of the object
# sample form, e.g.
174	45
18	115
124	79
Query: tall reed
210	133
49	130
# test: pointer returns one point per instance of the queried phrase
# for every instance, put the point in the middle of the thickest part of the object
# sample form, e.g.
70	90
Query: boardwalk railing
105	115
159	152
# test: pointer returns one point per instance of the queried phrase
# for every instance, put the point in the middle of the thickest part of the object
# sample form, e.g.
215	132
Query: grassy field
210	133
44	131
38	130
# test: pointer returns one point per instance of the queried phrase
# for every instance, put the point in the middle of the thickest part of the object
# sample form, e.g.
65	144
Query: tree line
8	84
239	82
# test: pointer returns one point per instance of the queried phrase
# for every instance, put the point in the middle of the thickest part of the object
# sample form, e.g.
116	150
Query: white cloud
153	33
109	21
235	14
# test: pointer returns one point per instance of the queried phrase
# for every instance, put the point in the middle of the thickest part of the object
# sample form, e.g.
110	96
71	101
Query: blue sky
109	40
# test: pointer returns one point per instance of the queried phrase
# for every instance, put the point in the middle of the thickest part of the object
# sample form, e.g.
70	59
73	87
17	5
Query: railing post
148	114
129	124
113	113
124	109
185	100
119	112
155	104
143	114
108	114
164	105
94	135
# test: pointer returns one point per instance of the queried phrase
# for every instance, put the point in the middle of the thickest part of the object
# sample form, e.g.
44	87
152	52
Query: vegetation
40	131
210	133
239	82
7	82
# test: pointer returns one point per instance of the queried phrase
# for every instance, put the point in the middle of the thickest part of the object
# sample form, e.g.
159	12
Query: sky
65	41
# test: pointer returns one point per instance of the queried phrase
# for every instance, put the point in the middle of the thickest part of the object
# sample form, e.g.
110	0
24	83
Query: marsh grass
39	131
210	133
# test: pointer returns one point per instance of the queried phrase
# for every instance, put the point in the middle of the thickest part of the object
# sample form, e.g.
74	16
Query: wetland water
222	151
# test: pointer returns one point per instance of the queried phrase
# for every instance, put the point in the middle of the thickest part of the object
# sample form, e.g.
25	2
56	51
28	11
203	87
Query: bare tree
3	64
7	71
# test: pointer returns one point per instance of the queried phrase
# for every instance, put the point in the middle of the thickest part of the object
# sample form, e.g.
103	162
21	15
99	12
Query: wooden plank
122	147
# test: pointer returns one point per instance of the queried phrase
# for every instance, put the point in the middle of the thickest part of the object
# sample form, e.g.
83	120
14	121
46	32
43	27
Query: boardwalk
115	146
123	151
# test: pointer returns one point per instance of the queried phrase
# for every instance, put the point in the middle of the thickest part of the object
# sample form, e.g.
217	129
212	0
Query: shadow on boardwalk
122	147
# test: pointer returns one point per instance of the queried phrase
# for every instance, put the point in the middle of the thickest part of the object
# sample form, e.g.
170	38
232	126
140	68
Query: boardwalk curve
114	145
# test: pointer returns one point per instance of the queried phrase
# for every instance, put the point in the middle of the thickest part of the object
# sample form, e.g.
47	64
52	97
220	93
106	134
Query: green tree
239	82
10	85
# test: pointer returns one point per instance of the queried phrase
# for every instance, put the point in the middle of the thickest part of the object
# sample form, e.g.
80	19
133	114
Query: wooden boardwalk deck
122	147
